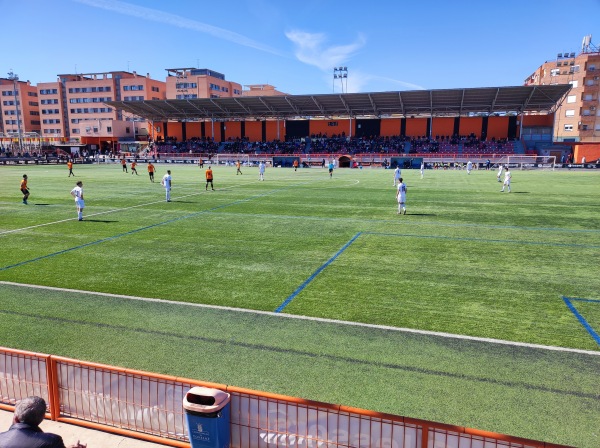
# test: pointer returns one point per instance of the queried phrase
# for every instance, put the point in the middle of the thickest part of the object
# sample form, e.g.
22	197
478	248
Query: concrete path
72	433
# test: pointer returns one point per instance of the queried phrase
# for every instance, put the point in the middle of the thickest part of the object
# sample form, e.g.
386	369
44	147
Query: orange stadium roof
424	103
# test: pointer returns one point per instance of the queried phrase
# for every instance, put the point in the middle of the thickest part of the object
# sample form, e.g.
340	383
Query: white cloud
156	15
310	49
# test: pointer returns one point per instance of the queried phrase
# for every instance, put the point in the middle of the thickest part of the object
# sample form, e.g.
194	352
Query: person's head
168	171
209	167
24	176
30	410
400	179
80	184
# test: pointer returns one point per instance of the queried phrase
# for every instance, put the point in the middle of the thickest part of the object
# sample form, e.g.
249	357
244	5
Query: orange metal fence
149	406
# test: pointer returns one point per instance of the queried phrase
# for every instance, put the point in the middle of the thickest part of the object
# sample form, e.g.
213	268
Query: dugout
285	161
406	162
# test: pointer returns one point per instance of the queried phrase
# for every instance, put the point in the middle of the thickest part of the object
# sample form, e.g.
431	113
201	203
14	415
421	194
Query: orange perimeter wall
591	152
442	126
233	130
470	125
272	130
322	127
497	127
390	127
538	120
193	130
416	127
253	131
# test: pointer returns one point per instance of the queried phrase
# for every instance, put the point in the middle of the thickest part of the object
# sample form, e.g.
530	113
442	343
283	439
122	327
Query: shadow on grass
107	221
41	204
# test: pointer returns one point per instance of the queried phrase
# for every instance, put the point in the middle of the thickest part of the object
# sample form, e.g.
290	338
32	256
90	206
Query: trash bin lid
205	399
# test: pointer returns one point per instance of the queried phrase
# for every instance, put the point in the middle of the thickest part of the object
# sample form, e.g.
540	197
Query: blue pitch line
584	300
131	232
317	272
483	240
581	319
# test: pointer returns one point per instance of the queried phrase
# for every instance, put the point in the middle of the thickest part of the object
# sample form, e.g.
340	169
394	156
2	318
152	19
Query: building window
555	72
75	131
570	113
572	99
568	127
574	84
108	129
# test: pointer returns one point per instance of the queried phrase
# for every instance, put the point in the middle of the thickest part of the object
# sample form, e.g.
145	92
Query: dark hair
31	410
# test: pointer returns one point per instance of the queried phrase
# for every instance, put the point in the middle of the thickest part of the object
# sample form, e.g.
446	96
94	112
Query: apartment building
191	83
261	90
73	110
578	117
19	109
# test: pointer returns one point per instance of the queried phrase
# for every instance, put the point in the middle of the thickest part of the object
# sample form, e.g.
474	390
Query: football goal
530	162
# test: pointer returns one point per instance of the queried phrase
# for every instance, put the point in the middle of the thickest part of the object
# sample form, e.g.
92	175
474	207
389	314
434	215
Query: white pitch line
6	232
315	319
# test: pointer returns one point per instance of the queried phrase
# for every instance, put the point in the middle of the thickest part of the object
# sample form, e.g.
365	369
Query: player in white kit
499	175
397	173
166	182
469	167
507	177
401	197
422	169
77	194
261	170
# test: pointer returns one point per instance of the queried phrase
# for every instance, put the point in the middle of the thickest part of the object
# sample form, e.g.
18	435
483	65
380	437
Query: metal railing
149	406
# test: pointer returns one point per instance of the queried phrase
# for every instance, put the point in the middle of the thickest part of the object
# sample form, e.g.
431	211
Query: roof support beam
319	106
294	108
374	106
494	101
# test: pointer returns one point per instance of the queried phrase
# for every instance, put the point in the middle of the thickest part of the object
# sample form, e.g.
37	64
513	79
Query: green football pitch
476	308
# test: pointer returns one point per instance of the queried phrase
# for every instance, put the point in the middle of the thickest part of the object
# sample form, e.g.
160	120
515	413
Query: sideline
313	319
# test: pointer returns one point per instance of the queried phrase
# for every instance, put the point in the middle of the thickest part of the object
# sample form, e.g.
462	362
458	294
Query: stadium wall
442	126
590	151
149	406
266	130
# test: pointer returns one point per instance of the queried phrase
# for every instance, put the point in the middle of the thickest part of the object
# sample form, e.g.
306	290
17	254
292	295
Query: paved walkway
72	433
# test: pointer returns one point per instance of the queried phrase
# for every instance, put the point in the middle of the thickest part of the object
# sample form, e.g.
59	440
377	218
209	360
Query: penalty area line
309	318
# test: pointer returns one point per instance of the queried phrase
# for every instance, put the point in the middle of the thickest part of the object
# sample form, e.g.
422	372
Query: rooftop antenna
587	46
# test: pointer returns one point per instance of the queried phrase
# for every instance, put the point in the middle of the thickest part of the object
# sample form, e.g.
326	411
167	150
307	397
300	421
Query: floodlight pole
14	78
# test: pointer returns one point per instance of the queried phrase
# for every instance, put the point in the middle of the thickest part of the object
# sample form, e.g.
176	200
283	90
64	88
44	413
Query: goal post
529	162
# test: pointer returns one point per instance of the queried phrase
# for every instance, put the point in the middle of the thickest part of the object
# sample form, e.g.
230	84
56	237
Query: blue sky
386	45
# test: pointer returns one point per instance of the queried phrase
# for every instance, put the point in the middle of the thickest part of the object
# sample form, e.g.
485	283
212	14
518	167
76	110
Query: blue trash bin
208	416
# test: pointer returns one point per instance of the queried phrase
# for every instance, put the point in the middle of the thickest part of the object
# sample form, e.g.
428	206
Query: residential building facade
578	117
191	83
19	109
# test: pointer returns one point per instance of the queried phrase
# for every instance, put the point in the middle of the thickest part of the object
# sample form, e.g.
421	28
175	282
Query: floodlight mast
341	73
14	78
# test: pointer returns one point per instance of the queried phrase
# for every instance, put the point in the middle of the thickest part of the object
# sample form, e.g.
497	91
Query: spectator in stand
25	432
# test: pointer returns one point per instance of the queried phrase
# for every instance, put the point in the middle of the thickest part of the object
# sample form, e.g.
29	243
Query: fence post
53	391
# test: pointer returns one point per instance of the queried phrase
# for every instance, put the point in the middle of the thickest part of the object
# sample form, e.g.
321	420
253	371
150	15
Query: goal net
523	162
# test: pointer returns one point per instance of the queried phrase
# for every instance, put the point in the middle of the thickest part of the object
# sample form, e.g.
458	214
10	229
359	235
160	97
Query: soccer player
397	174
422	169
261	170
151	170
507	177
401	197
70	166
24	189
238	165
469	167
124	164
133	169
331	168
166	182
209	178
295	164
77	194
500	168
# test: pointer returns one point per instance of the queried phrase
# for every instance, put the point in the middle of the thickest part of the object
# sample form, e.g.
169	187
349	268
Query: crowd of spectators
468	144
